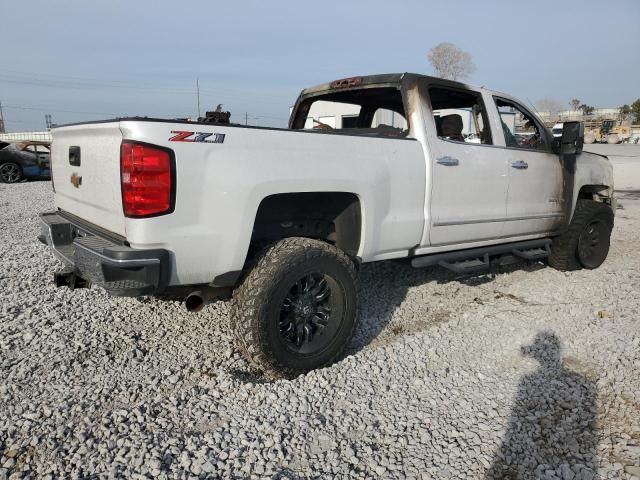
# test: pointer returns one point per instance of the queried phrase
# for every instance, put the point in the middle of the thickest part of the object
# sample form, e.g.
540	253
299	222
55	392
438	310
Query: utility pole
198	94
246	118
2	128
47	121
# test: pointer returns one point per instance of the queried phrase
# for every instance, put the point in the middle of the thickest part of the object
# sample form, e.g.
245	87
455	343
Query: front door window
520	128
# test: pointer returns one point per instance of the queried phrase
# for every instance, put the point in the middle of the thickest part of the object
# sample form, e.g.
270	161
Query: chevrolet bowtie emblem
76	180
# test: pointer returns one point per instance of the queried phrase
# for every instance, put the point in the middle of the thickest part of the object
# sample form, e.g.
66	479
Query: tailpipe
68	278
197	299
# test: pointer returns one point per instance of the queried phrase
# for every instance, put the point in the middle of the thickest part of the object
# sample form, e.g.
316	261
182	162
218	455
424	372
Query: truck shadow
551	432
384	287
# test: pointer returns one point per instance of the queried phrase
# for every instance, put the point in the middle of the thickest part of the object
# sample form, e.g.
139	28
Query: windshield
367	111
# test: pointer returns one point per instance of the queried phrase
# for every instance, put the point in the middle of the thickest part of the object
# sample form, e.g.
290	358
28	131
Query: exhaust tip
194	302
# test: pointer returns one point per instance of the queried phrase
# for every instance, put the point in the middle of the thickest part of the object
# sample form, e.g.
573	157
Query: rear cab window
377	111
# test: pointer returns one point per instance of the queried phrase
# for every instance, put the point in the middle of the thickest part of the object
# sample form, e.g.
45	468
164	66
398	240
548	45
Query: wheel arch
334	217
597	191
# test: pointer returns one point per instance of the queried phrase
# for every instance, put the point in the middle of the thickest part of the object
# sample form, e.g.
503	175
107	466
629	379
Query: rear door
468	178
535	197
86	173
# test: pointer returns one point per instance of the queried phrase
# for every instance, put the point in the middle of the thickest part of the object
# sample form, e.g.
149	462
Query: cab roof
391	79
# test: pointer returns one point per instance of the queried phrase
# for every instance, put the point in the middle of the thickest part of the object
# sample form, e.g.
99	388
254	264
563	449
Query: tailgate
85	161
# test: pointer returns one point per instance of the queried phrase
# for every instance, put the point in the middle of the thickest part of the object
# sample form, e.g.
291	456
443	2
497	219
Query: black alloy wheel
306	313
593	243
296	308
10	173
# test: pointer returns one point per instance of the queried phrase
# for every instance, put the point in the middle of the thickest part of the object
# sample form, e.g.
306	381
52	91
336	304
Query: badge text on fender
200	137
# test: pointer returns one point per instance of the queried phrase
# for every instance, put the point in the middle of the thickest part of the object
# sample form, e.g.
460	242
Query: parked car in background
24	160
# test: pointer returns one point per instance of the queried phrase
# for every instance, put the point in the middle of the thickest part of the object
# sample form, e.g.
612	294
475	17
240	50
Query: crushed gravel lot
524	373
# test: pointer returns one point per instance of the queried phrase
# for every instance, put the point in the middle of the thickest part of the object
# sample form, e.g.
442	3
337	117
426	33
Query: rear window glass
369	112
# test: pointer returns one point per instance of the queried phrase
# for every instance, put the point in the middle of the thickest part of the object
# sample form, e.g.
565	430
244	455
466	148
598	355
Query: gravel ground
524	373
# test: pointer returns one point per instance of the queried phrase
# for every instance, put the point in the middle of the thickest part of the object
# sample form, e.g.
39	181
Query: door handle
520	164
448	161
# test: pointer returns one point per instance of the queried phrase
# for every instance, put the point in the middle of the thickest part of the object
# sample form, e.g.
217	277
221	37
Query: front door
535	197
468	177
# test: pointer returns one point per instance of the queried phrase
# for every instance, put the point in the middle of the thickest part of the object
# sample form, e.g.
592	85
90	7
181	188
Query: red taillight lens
147	176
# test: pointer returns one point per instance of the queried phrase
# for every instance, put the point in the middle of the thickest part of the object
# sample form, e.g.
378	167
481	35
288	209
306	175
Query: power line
198	95
172	115
1	119
41	80
121	114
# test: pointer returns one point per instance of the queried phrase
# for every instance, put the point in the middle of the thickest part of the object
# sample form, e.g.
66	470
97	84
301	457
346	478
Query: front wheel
297	307
10	172
586	242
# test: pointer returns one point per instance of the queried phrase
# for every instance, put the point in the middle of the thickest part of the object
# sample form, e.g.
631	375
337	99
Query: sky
86	60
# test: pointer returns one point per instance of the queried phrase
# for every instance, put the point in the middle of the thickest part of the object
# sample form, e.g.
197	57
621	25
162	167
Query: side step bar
478	259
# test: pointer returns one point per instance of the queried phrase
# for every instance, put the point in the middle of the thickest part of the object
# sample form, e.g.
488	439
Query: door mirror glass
572	138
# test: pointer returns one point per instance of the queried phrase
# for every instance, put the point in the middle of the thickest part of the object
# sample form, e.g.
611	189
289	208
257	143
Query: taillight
147	173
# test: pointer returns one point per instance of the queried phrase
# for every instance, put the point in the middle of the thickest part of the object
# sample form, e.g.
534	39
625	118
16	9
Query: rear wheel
296	309
10	172
586	242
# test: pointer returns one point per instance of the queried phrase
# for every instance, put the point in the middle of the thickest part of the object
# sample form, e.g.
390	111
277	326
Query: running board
533	253
467	266
477	259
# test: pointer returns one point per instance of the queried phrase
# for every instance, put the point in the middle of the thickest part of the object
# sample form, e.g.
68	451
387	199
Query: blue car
24	160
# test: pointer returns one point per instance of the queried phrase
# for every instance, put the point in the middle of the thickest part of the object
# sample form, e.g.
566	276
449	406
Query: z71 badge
202	137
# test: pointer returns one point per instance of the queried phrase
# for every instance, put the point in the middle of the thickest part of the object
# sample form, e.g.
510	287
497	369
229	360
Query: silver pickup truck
398	166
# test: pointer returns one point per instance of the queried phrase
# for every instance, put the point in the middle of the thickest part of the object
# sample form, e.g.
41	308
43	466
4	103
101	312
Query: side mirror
572	138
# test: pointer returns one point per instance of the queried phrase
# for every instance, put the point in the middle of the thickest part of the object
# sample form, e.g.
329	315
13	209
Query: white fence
44	136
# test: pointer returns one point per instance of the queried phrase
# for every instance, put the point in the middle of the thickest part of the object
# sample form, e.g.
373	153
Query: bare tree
625	113
551	106
575	104
451	62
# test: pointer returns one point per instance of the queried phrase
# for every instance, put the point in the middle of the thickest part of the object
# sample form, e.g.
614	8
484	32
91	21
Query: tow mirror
572	138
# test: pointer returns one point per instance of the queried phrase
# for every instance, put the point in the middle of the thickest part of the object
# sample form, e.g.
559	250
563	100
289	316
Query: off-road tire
565	252
256	305
10	172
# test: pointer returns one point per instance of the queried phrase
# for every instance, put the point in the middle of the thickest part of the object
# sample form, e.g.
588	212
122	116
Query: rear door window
460	116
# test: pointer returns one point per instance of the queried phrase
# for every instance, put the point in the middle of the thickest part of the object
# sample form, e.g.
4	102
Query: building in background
597	115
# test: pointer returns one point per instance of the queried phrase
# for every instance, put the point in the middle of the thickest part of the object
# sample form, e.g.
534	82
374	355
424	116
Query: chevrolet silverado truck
370	168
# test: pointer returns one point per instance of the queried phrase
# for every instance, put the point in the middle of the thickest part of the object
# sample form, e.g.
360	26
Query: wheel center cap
304	306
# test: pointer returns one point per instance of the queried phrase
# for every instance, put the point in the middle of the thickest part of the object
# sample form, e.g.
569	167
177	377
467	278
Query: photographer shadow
552	431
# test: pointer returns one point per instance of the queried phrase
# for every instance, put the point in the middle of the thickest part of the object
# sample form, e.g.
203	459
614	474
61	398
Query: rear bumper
94	258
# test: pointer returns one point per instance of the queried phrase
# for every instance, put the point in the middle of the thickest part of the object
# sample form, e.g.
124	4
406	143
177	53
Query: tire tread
564	248
247	304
